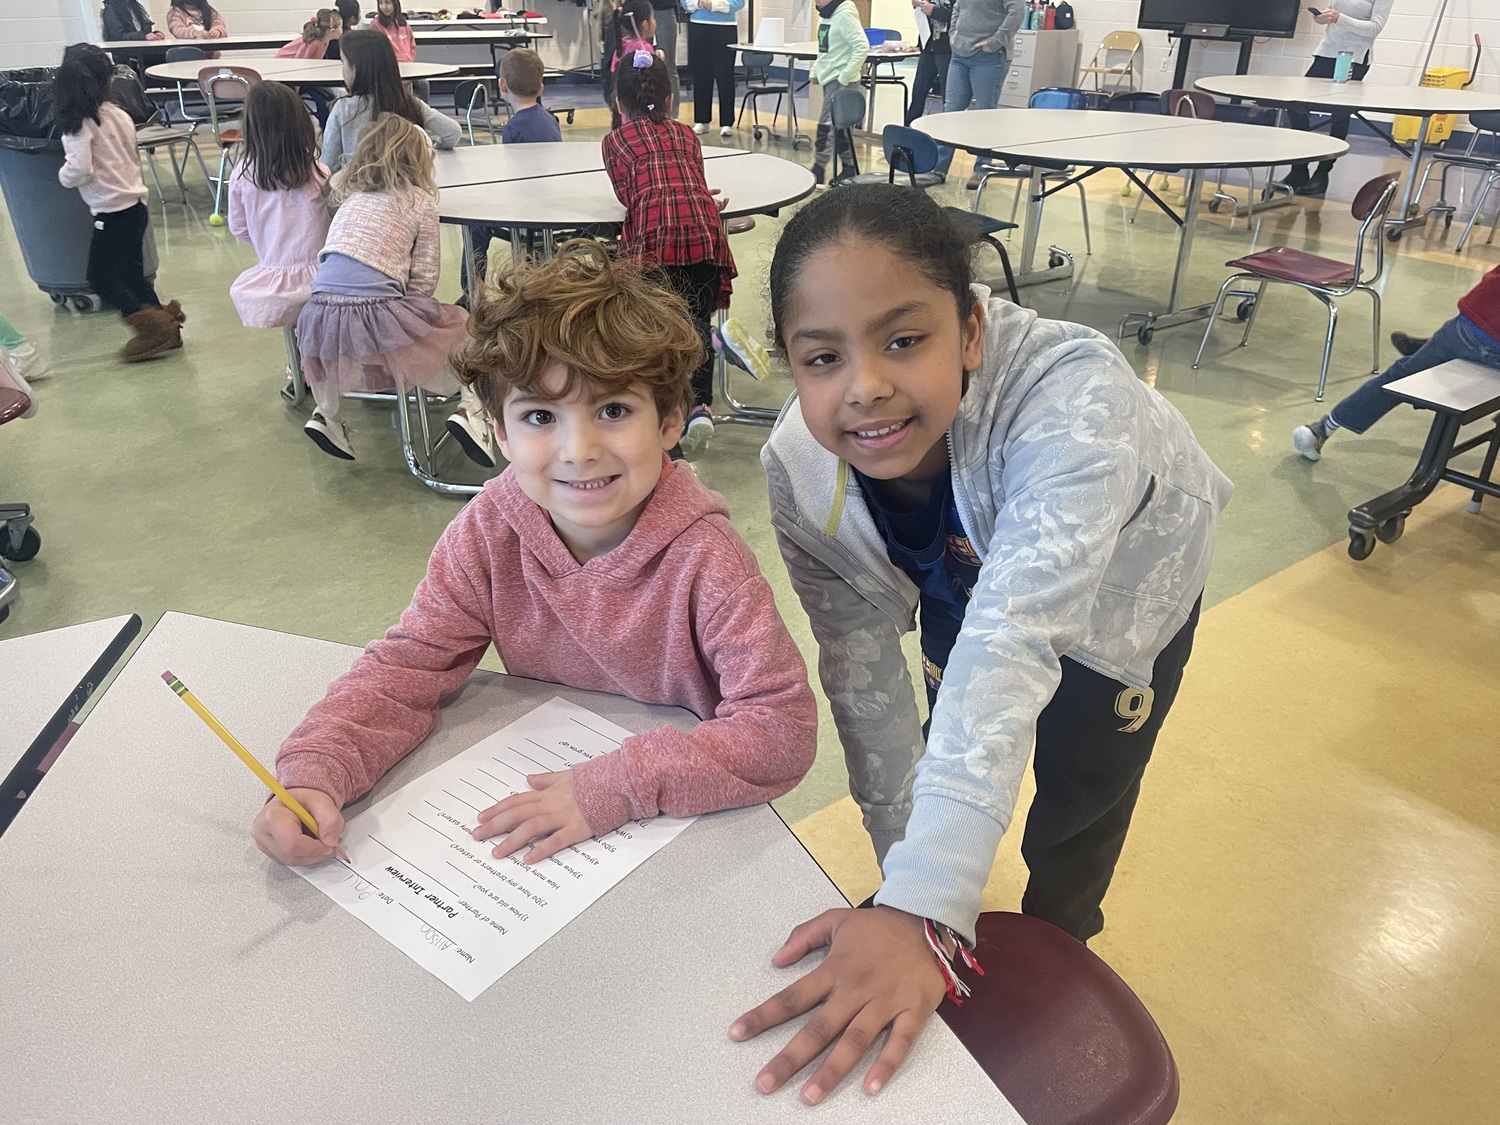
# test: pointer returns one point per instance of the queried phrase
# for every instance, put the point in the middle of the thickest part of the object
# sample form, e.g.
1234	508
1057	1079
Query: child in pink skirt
372	321
278	203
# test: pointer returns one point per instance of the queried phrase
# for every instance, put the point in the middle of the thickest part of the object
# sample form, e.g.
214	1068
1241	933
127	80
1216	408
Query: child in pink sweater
592	561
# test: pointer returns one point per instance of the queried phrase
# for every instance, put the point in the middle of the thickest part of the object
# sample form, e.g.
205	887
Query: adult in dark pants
712	26
932	64
667	13
1348	25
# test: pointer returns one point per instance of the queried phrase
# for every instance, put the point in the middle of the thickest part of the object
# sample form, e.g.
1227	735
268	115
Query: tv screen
1274	18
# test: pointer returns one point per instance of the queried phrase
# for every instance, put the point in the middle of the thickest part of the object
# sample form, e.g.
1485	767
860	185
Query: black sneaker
1318	185
1408	345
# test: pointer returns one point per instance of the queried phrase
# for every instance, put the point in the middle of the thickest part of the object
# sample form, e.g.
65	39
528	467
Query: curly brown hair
609	323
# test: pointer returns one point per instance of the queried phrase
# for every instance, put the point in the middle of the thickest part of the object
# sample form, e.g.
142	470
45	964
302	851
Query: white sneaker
726	132
1309	442
474	437
740	347
699	128
698	432
29	363
330	435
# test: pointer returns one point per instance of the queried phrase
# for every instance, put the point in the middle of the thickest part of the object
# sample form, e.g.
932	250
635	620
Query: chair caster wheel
1213	206
1448	222
1245	310
31	543
1393	236
1392	529
216	220
1056	261
1146	335
1361	544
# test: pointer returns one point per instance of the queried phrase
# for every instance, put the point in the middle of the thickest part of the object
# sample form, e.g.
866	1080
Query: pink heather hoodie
677	614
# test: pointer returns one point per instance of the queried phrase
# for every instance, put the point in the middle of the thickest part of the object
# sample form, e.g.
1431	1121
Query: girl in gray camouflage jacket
1006	483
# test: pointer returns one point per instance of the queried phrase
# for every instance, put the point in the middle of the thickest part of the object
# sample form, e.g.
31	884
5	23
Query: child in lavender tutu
372	321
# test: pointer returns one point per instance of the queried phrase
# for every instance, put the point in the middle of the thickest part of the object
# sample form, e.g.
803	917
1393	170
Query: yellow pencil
248	758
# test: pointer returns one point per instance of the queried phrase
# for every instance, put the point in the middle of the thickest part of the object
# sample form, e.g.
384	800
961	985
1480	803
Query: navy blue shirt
531	124
928	542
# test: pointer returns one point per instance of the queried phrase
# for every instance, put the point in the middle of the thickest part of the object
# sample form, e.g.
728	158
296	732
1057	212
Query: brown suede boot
175	308
156	332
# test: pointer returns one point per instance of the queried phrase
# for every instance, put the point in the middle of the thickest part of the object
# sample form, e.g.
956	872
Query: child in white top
103	164
372	321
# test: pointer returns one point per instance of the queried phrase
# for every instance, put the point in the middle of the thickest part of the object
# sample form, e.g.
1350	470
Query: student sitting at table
1474	335
374	80
521	85
317	33
195	19
349	15
592	561
391	22
125	20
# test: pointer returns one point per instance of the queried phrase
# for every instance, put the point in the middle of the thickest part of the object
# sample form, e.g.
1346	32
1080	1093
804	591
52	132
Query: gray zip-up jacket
992	22
1093	510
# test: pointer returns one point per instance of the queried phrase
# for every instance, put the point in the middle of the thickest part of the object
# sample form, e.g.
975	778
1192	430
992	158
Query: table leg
1059	261
1145	324
1403	220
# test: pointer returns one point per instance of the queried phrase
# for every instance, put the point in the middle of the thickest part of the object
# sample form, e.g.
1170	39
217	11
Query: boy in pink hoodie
592	561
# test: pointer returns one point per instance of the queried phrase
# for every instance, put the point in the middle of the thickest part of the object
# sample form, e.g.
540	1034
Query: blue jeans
1459	338
973	83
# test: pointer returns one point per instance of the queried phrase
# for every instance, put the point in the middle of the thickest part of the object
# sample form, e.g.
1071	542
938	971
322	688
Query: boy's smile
879	354
591	460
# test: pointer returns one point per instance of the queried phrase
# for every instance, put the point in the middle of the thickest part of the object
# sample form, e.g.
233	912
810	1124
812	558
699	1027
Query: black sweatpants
117	264
1322	67
699	285
1093	741
712	62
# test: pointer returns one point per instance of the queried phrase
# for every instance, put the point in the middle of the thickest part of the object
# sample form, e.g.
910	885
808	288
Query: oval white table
1099	139
318	71
168	972
1360	98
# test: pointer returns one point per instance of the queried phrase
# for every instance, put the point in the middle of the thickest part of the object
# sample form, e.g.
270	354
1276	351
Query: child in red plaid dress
671	217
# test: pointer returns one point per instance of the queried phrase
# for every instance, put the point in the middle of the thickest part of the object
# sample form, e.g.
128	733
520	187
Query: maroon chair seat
1063	1037
14	402
1285	263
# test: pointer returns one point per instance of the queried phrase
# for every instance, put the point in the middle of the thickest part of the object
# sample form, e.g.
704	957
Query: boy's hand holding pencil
277	831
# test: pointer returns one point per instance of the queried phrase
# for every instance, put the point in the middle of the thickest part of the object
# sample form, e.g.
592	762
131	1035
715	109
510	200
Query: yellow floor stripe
1309	900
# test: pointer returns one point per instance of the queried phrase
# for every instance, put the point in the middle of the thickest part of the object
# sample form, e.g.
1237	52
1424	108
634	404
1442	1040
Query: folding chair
225	87
1484	121
1107	63
1324	278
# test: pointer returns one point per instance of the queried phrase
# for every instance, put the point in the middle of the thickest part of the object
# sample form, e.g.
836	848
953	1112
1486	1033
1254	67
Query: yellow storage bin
1441	78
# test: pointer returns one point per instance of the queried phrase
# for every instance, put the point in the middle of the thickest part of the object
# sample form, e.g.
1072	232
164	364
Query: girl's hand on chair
879	974
278	832
549	814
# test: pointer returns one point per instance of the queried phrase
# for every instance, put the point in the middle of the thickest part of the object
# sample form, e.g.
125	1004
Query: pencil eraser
168	677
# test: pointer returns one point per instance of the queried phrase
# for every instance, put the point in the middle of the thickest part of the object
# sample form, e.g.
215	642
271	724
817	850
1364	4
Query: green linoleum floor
187	484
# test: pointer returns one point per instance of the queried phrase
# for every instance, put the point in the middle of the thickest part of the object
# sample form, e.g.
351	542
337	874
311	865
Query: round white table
495	164
1360	98
1098	139
318	71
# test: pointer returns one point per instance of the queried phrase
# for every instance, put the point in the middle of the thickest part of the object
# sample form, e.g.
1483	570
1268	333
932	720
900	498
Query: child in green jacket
842	48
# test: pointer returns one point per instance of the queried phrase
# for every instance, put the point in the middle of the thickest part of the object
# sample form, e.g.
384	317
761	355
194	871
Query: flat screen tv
1273	18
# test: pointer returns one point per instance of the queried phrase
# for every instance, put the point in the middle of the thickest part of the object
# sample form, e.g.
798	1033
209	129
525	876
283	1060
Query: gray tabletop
1099	138
1367	96
807	51
156	968
493	164
427	33
753	182
39	672
289	70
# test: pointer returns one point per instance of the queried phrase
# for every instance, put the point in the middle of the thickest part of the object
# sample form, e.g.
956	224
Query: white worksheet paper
417	878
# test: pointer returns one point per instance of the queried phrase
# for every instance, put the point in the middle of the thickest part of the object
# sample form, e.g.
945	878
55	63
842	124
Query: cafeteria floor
1308	901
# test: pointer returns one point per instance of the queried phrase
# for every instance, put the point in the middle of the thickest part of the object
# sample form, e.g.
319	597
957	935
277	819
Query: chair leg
176	168
296	389
202	164
219	183
1375	324
1212	316
1254	312
1015	200
1487	472
1083	206
1139	200
1484	193
1333	326
1010	277
151	163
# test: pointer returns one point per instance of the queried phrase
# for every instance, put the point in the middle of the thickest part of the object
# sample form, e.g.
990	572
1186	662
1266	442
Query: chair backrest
908	151
470	95
1371	204
185	54
227	84
757	60
1486	120
1134	101
1121	41
848	108
1188	103
1058	97
891	35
